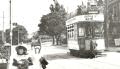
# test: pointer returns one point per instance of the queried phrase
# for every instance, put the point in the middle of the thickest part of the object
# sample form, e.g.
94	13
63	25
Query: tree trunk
57	41
53	40
60	41
56	37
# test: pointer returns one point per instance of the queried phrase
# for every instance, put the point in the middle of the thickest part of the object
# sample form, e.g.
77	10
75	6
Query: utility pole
10	28
3	38
18	36
18	32
106	23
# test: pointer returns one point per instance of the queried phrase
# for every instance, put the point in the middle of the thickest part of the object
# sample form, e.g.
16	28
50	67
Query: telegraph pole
3	39
18	35
106	24
10	28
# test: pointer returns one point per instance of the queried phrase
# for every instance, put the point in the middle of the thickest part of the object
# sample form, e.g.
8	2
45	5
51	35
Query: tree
81	10
1	41
7	33
19	33
58	8
35	35
53	23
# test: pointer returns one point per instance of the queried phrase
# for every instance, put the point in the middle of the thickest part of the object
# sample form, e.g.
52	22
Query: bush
3	65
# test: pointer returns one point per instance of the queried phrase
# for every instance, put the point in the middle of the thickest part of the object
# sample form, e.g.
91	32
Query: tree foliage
82	9
36	35
18	32
53	23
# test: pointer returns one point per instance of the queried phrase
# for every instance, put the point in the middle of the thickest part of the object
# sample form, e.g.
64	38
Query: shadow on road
58	56
101	55
66	56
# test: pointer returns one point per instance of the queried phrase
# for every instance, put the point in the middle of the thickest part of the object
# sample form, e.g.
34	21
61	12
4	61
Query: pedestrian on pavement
21	60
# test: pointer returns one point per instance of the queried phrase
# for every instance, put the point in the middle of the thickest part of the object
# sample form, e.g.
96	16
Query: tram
85	34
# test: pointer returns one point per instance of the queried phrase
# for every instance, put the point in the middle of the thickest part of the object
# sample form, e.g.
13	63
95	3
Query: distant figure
93	45
36	43
38	46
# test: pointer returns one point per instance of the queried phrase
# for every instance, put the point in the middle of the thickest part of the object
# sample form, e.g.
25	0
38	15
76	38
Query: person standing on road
37	45
93	45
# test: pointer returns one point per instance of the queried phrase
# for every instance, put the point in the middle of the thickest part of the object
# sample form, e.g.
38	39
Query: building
112	20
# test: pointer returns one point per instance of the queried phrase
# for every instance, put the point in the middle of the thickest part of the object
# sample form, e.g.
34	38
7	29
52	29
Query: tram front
86	34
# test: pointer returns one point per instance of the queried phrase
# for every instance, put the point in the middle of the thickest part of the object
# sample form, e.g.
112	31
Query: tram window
99	30
68	35
72	29
72	26
81	31
68	27
72	34
68	30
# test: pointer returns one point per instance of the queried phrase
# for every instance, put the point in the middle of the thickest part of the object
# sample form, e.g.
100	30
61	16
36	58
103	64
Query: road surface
59	58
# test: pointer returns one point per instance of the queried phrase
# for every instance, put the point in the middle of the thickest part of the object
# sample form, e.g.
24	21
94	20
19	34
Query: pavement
59	58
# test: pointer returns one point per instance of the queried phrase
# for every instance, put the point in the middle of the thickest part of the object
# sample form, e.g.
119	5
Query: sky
29	12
